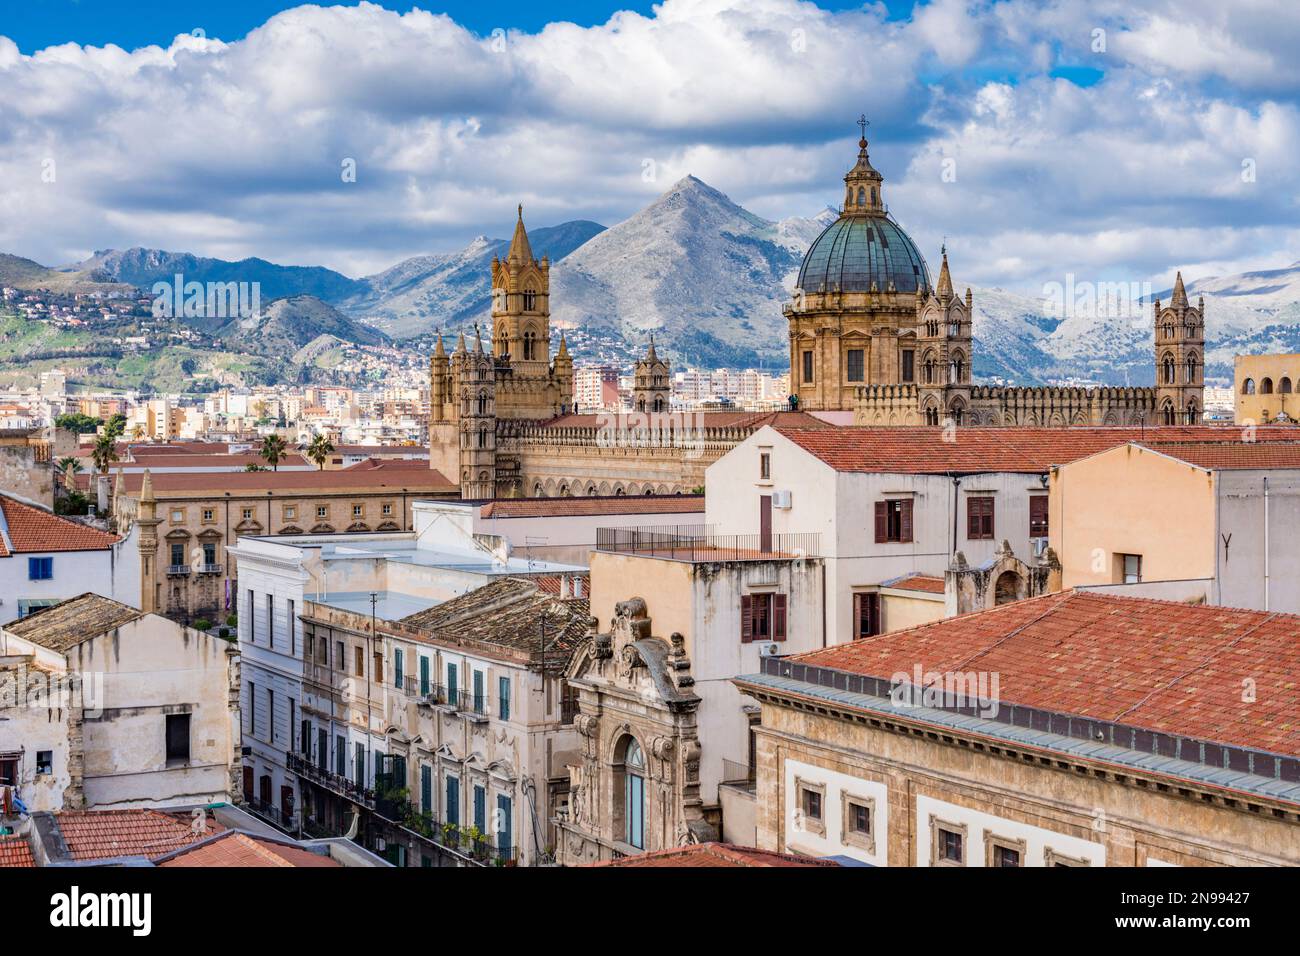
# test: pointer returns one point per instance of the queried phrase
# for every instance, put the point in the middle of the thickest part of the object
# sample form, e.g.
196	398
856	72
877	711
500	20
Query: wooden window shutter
990	530
1038	516
746	619
882	521
778	617
857	616
905	520
972	518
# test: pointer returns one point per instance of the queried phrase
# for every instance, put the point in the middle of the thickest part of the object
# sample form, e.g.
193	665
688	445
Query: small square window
858	827
358	511
44	761
388	509
178	516
247	514
322	511
1052	858
809	810
947	843
209	515
1003	852
40	569
290	511
765	465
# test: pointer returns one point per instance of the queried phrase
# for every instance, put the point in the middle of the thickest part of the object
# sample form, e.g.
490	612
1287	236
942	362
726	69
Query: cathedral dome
856	251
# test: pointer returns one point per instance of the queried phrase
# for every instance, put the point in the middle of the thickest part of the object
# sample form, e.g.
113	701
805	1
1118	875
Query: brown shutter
991	532
905	521
882	521
972	518
1038	516
746	619
778	617
857	616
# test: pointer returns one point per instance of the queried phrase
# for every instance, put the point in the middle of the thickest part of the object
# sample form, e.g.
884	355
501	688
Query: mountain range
707	278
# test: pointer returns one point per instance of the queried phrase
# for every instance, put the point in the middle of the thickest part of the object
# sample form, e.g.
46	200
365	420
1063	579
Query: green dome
855	251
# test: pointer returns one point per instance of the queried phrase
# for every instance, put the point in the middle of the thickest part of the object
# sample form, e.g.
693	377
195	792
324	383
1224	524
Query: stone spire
146	489
478	341
520	250
944	288
650	355
439	351
1179	298
460	343
564	347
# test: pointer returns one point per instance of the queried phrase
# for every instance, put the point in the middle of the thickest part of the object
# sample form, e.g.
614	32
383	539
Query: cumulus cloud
237	148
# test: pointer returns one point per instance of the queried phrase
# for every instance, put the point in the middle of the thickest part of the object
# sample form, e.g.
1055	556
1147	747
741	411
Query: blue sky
1108	139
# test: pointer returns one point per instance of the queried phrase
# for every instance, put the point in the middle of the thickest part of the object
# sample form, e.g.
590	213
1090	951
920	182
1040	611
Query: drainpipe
1266	607
956	484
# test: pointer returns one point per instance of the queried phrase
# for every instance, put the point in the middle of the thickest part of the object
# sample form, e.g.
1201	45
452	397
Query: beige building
188	520
136	710
1204	521
954	744
1264	388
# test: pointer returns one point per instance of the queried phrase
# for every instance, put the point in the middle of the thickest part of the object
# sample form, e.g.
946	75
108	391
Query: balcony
334	782
700	544
473	706
210	569
272	814
178	570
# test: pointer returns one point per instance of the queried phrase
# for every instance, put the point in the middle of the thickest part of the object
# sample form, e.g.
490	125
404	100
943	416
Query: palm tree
273	449
104	452
69	461
320	449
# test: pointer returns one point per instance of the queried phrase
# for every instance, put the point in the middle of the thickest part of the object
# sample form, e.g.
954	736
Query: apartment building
1158	734
1205	521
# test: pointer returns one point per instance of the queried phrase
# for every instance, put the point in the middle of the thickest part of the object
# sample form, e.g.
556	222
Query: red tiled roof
593	505
192	460
240	849
35	529
1218	456
933	450
714	854
15	852
416	481
916	582
1165	666
105	834
390	464
550	583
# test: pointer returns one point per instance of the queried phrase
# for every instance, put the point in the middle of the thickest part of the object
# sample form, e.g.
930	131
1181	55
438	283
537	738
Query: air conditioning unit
771	649
781	499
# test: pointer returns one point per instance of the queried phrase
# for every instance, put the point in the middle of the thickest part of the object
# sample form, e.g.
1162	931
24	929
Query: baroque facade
871	334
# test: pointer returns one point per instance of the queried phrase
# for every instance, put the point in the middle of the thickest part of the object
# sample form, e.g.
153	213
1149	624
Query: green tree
273	450
116	425
69	461
104	452
320	449
79	423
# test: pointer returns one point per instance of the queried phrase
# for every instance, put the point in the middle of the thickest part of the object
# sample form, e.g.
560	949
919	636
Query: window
503	698
270	714
209	516
377	675
858	826
762	617
909	366
426	790
247	514
765	465
505	827
290	511
1038	516
9	770
340	658
807	368
634	794
811	799
361	662
359	763
1130	568
855	365
480	702
178	738
452	685
866	614
340	755
1052	858
1002	851
209	553
40	569
358	510
178	516
270	620
397	667
979	518
894	520
387	509
424	676
453	800
252	707
480	808
44	761
322	511
947	843
178	554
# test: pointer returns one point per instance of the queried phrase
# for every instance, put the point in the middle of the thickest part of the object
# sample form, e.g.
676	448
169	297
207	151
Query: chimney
101	495
564	587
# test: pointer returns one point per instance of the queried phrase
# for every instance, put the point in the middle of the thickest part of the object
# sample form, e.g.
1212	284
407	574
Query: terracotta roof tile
1161	665
1218	456
594	505
932	450
916	582
29	529
15	852
105	834
240	849
714	855
257	483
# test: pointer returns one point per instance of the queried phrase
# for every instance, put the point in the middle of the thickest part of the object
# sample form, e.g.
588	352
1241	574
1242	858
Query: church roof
856	252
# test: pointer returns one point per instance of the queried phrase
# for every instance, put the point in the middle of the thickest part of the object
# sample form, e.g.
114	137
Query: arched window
1266	386
1284	386
530	300
482	436
1169	417
482	403
530	345
1167	369
539	491
873	195
1248	387
1191	369
862	196
1193	414
633	795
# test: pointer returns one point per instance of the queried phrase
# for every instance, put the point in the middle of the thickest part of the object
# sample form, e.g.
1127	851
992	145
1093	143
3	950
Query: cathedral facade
870	334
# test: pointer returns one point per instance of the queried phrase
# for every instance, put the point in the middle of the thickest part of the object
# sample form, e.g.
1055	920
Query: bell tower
651	389
521	307
1180	358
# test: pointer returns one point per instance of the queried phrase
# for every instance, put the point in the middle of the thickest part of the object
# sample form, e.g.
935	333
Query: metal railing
699	543
178	569
335	782
735	772
209	569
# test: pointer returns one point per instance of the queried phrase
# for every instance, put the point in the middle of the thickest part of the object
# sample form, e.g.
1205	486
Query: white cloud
236	148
